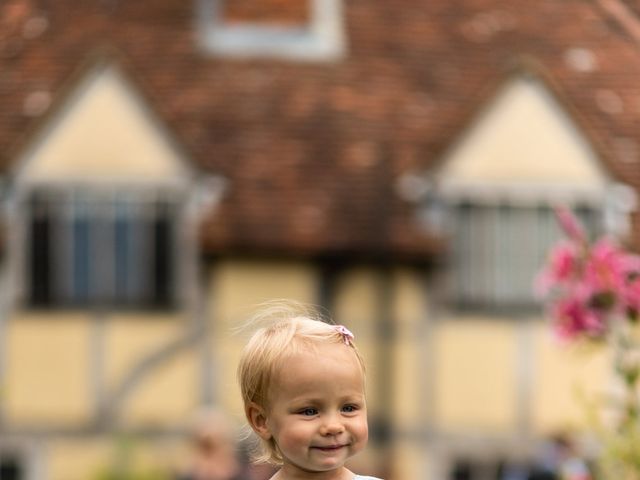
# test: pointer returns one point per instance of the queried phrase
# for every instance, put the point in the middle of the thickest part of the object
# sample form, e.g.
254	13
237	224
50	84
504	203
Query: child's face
317	414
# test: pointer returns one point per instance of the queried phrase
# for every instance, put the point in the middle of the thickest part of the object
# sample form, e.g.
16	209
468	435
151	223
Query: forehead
324	367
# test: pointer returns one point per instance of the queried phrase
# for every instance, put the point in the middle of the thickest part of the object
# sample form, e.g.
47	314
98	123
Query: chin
331	465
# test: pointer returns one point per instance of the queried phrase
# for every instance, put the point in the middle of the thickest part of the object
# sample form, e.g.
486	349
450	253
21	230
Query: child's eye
308	412
349	408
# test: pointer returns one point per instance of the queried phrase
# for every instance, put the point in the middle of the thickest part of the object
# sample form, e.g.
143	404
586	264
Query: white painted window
91	247
497	250
320	38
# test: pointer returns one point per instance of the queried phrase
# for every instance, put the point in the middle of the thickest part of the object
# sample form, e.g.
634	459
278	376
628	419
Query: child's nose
332	426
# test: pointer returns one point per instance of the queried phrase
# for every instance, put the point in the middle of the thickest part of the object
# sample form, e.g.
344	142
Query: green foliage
620	457
122	466
131	475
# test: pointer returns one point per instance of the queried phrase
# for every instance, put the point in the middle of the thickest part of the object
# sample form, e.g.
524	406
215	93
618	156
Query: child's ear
257	418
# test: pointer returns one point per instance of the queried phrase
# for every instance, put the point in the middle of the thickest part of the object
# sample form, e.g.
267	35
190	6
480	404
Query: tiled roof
312	150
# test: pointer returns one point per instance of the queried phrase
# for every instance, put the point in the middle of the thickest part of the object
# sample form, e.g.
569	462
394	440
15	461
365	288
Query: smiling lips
329	448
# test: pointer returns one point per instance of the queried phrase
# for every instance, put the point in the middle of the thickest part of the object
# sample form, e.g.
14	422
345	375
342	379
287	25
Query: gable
103	132
523	139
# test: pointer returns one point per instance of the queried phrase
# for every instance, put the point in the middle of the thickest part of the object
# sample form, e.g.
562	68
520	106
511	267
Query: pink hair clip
347	336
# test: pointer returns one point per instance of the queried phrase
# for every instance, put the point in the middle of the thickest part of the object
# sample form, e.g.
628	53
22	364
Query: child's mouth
329	448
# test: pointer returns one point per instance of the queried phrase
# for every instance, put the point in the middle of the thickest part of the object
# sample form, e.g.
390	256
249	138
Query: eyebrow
360	397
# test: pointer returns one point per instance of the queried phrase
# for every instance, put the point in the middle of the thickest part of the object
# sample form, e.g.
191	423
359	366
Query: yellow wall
47	372
49	380
171	392
475	381
566	377
476	377
168	396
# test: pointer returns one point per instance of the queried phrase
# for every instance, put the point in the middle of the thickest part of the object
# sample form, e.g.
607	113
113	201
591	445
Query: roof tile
313	150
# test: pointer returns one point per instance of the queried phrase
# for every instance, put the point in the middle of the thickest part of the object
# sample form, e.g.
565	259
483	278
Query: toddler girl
302	383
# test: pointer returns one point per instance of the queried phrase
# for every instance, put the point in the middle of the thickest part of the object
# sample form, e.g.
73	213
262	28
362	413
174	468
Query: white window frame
183	238
322	39
611	201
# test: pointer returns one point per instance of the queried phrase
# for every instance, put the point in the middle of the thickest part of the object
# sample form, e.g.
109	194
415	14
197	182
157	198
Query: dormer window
88	247
499	182
300	30
498	248
97	201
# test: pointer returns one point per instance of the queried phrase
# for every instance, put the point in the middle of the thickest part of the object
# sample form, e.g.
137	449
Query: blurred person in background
213	449
560	459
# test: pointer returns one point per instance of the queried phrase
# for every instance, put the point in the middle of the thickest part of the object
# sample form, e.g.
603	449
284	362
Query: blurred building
168	164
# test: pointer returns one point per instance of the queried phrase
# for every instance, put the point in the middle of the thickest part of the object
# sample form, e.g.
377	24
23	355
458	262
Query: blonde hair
289	328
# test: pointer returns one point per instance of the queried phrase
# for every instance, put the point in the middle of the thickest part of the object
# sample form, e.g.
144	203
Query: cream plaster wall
522	137
47	373
104	133
49	380
476	378
169	394
131	338
475	381
167	397
568	378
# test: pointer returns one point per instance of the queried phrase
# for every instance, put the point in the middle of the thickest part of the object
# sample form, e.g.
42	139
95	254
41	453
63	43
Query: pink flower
572	318
606	266
570	224
586	286
564	265
592	290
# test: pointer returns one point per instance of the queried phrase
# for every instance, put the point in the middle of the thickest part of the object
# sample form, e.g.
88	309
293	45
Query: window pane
100	248
81	252
162	255
40	259
498	250
122	253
